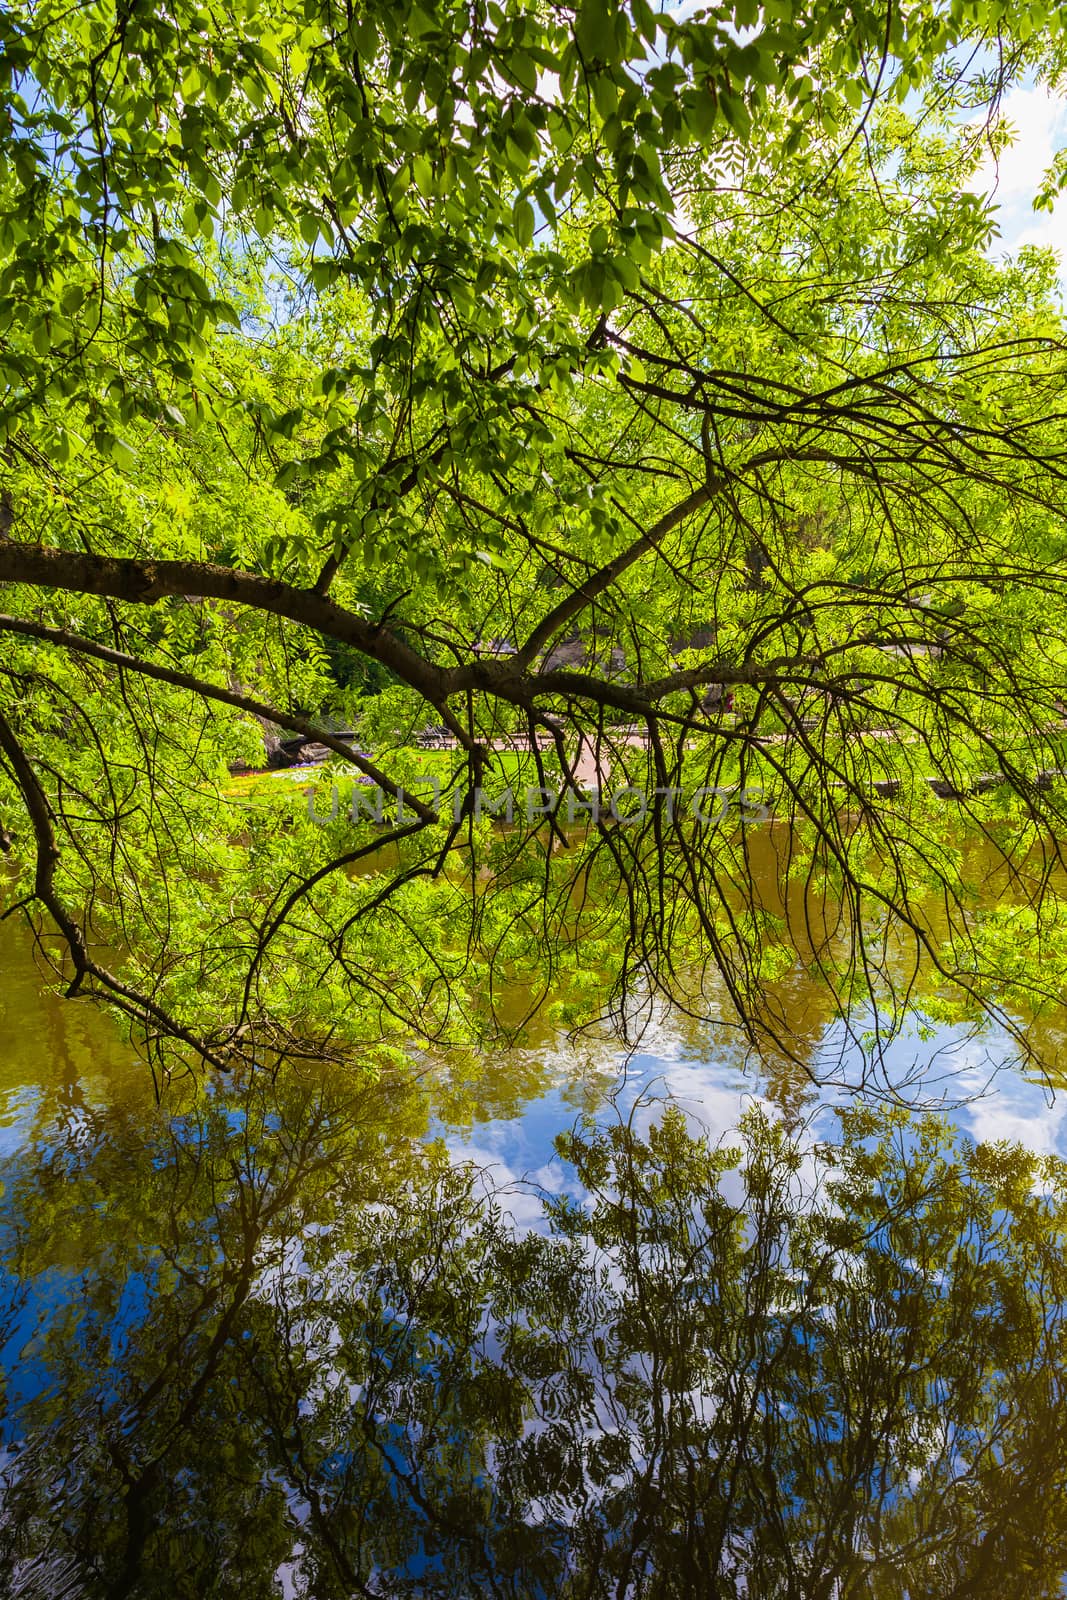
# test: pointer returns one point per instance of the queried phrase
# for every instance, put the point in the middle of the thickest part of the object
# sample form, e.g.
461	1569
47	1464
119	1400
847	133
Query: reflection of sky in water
60	1057
18	1108
971	1081
68	1086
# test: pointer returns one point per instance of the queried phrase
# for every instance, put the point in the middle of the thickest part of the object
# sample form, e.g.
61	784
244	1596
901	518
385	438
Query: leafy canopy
546	374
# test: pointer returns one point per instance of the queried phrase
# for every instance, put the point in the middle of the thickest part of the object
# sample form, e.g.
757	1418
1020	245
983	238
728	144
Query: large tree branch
606	575
85	966
143	582
211	691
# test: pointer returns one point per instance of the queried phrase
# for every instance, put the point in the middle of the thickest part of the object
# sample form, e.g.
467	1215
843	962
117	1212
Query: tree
669	342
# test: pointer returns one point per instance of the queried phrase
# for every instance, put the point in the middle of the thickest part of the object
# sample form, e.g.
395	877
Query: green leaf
595	30
522	220
523	69
605	94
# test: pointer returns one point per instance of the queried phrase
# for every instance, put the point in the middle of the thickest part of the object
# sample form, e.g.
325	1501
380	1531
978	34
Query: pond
511	1326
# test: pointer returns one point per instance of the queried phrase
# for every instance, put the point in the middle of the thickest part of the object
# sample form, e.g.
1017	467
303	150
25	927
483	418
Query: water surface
280	1338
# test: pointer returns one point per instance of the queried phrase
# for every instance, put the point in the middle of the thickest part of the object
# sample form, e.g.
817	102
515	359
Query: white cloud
1039	121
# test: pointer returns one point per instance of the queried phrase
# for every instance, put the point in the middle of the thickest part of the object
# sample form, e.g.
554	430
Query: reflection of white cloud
711	1097
517	1196
1020	1113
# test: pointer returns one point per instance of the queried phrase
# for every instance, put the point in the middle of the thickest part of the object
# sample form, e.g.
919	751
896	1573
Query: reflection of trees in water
271	1334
